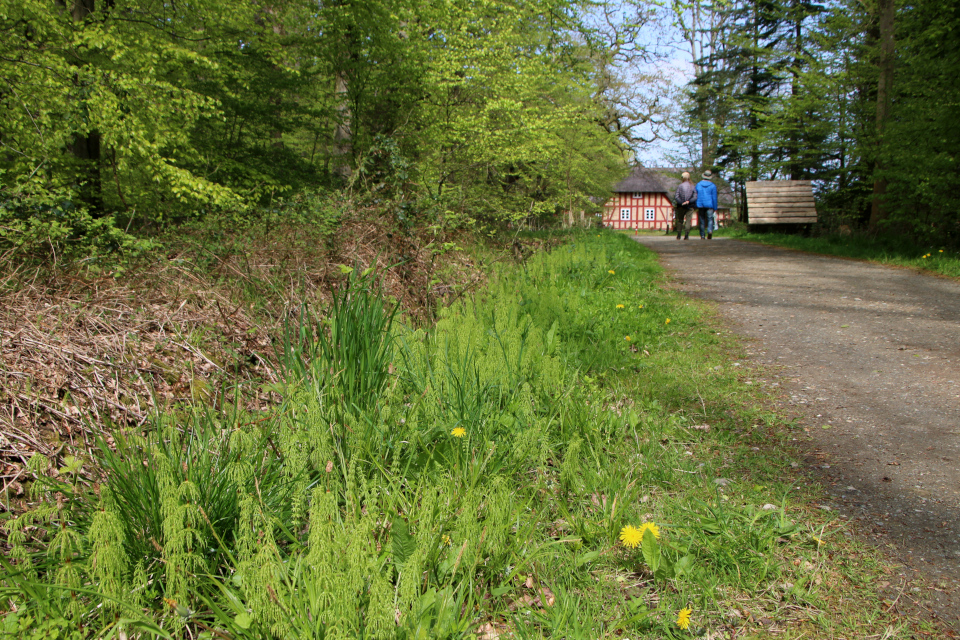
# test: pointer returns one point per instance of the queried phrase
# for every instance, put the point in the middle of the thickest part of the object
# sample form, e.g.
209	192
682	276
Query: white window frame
649	214
637	195
624	214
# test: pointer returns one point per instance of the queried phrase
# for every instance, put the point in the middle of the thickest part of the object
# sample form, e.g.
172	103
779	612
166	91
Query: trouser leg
684	216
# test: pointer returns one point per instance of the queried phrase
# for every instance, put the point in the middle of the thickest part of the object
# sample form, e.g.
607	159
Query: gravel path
869	358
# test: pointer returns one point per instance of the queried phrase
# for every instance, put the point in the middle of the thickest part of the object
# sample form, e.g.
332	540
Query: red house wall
659	202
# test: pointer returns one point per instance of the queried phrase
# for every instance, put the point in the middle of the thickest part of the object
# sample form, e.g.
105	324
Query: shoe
678	236
709	236
702	238
686	237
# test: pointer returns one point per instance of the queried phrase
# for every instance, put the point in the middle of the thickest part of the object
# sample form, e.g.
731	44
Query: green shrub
50	226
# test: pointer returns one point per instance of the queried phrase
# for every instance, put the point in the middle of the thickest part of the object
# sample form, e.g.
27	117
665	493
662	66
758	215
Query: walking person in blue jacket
706	205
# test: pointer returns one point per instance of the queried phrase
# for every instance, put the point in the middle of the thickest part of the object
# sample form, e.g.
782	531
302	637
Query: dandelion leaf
651	550
402	542
684	566
551	338
243	620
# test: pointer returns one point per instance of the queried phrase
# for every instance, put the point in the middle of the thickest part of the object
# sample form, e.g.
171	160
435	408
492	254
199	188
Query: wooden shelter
781	202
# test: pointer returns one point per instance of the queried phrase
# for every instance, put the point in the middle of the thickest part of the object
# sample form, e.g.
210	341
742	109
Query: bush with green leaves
51	225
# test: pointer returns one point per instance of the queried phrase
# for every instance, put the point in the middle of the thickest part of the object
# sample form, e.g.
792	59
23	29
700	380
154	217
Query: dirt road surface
869	358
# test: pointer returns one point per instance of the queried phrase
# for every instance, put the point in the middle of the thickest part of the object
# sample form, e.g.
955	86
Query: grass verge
884	249
569	452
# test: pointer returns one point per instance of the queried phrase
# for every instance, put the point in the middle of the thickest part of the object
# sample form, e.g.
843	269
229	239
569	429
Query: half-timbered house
644	199
640	201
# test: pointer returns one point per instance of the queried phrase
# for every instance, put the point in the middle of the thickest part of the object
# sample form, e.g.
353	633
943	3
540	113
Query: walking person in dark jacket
706	205
685	201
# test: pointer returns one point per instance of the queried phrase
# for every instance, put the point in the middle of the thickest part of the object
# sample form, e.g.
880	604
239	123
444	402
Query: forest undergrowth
570	451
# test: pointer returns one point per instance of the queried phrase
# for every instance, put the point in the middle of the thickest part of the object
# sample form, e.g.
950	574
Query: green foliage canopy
134	109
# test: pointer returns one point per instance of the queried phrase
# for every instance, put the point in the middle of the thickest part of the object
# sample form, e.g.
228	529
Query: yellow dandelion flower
941	250
611	272
683	618
653	529
630	536
640	307
627	338
667	322
459	432
620	306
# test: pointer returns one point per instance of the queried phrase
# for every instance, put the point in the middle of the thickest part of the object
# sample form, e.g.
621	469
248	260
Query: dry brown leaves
534	595
81	355
77	356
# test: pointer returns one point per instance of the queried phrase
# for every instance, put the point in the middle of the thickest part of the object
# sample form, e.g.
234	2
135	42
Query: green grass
884	249
481	488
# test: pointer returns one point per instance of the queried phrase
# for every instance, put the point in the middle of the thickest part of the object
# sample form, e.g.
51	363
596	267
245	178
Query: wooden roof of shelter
781	201
641	180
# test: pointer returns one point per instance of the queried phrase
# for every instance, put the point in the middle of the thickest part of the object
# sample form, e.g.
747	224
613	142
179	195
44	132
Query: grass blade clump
348	354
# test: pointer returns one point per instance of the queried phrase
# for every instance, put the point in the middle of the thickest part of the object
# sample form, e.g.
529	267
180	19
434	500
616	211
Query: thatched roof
666	179
669	177
641	180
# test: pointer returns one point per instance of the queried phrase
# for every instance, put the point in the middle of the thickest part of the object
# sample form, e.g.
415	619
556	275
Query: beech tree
133	112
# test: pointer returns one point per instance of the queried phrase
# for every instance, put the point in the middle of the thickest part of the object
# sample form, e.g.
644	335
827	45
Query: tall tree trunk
278	30
887	13
842	138
793	148
342	136
86	147
706	153
706	157
700	39
752	121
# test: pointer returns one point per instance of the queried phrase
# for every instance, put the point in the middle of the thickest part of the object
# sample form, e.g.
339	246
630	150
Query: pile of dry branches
81	355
